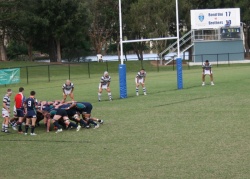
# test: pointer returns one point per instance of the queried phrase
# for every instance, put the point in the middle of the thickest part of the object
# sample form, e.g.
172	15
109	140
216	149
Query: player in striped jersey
19	101
68	89
6	111
104	84
207	70
140	79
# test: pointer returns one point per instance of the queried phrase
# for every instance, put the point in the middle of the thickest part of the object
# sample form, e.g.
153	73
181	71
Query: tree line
70	29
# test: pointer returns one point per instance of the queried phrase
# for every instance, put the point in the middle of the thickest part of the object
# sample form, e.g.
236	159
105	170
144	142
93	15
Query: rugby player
30	104
73	114
104	84
58	114
86	114
207	70
68	89
140	79
6	111
20	111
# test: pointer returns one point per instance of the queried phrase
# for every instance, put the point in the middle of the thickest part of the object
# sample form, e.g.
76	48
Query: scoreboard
230	33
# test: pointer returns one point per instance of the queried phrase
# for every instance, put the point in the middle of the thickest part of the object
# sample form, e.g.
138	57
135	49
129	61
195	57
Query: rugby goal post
122	66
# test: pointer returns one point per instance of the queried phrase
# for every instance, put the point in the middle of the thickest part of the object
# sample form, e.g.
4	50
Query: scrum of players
29	112
62	114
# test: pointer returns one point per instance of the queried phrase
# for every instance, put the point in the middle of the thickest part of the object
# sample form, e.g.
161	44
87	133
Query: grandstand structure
216	35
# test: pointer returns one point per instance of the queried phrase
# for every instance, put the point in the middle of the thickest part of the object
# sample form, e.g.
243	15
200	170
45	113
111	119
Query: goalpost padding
122	80
179	73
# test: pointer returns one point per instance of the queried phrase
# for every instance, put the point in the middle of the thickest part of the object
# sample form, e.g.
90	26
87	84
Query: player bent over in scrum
86	114
61	113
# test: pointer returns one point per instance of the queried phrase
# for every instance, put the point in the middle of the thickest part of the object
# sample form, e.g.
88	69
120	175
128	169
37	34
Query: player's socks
99	96
26	128
6	128
72	124
57	125
32	129
3	127
136	90
92	122
83	123
19	124
144	90
110	96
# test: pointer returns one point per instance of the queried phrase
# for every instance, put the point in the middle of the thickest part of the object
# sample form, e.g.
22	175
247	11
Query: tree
103	20
150	19
7	15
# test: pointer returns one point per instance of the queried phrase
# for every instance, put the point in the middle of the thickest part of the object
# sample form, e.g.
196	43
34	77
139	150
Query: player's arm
5	106
72	105
25	106
63	87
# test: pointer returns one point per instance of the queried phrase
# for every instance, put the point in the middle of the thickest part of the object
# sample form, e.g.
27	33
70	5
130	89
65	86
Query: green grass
197	132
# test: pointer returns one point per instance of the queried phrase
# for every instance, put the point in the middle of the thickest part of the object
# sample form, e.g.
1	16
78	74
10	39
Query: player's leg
27	125
81	121
64	97
90	120
203	79
211	79
99	93
143	88
33	124
72	96
5	127
20	115
56	124
137	87
109	93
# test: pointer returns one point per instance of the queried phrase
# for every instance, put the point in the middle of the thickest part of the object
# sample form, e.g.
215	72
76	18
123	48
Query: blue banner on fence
9	76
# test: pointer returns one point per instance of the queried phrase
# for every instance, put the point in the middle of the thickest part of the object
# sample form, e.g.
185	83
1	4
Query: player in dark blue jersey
62	114
30	105
73	114
45	108
86	113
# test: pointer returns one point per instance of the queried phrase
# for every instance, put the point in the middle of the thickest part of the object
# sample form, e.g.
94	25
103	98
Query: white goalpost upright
122	66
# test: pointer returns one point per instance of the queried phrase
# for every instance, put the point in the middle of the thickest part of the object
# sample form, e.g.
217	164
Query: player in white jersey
68	89
104	84
140	79
6	111
207	70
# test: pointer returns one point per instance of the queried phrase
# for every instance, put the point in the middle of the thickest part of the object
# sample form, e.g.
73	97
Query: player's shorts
139	80
103	86
20	112
31	114
61	112
88	108
67	92
207	72
5	113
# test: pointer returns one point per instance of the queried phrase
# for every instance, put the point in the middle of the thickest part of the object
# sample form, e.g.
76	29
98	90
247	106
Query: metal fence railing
51	72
